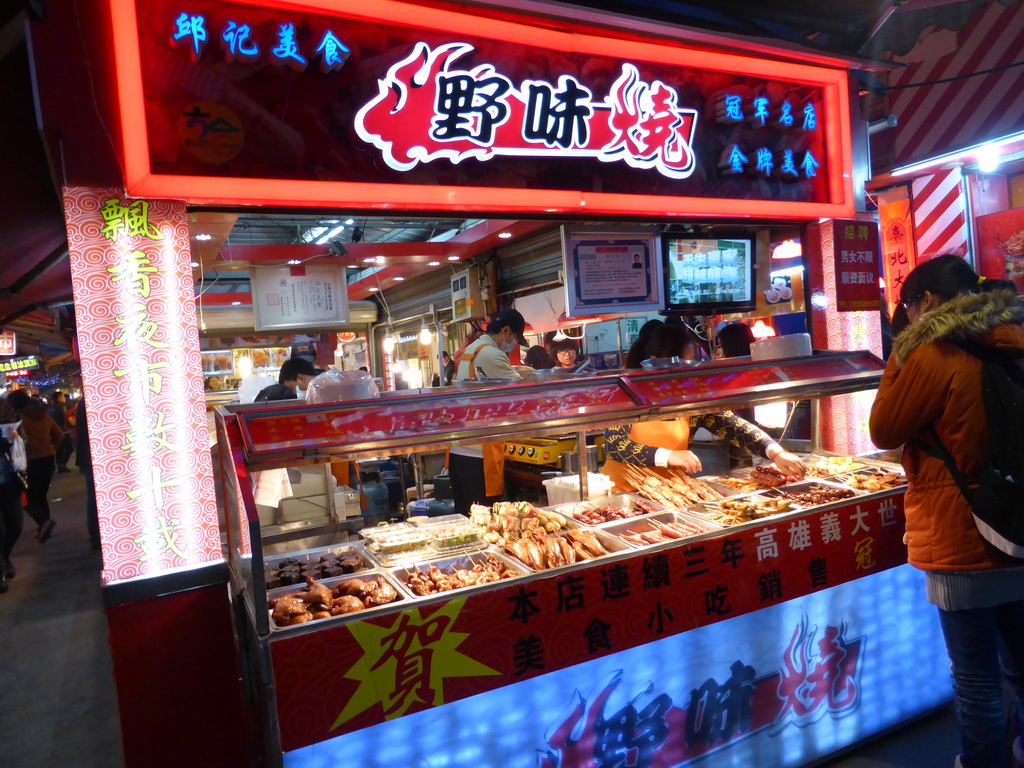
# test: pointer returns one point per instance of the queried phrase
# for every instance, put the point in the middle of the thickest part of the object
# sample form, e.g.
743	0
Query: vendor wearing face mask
660	446
477	472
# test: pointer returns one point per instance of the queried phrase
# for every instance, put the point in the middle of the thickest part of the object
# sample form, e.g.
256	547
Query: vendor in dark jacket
296	372
931	383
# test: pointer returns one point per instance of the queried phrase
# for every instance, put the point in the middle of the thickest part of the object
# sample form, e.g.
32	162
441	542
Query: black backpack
998	500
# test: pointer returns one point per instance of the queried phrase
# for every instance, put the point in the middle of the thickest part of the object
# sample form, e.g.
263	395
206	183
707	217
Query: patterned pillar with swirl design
139	344
843	419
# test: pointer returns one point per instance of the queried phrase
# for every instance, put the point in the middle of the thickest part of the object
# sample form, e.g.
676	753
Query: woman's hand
684	460
790	465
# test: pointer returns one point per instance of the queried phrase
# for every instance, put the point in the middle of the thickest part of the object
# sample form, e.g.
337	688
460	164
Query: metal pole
581	456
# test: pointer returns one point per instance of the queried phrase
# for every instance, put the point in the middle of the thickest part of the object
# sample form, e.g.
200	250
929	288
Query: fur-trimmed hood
973	316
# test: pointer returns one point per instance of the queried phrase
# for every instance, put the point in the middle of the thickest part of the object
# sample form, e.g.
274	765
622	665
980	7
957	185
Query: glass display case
516	560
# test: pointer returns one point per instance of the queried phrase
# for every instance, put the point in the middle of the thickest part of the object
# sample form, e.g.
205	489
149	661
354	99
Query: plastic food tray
312	556
642	524
449	564
397	543
629	501
610	543
332	583
453	537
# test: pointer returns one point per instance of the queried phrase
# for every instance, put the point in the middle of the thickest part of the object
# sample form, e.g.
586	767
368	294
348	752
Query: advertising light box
392	104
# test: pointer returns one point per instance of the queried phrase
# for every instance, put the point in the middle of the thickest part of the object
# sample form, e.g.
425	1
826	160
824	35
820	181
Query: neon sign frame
140	180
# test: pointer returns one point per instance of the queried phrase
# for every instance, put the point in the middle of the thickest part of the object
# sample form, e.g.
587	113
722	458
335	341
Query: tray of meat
872	479
812	494
662	528
318	564
733	485
454	573
541	551
331	599
743	509
606	510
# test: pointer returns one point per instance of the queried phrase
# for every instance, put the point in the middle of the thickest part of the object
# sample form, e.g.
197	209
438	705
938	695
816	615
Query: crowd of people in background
37	440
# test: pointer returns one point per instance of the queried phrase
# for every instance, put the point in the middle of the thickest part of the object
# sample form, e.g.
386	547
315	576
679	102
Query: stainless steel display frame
239	456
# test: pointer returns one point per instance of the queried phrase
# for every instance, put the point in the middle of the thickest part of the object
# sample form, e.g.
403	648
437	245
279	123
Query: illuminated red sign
856	258
453	110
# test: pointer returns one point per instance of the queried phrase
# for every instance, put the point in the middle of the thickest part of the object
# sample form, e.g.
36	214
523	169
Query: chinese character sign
433	109
856	263
139	344
898	253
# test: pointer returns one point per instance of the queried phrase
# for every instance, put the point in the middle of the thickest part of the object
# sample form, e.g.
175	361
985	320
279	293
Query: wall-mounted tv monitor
711	274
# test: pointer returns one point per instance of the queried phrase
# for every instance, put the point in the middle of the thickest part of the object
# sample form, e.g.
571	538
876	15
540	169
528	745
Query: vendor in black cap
490	352
296	372
477	472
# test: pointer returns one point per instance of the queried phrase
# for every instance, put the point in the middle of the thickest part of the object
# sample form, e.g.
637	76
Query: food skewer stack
677	490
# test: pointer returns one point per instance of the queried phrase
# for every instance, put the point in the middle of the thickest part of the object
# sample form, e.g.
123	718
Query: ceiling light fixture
399	279
369	260
293	262
380	259
195	265
504	235
425	335
453	258
373	290
434	264
330	235
350	222
236	303
204	236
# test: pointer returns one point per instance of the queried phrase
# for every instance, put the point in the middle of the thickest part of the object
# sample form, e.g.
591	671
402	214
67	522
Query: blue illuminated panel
776	689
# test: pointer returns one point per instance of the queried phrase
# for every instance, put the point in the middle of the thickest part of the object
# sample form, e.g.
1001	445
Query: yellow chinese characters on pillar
143	382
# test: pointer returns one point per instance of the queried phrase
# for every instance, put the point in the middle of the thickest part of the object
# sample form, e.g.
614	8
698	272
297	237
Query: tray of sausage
812	494
607	510
657	529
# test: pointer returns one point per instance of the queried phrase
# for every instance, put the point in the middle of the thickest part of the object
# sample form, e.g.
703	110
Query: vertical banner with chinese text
139	345
856	262
898	255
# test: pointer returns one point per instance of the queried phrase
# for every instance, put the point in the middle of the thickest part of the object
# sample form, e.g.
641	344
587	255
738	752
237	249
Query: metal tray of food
872	479
803	494
659	529
509	567
819	465
619	500
322	563
583	535
357	588
743	509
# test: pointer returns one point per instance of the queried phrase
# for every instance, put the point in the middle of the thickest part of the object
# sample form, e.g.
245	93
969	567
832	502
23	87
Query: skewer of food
648	532
431	580
541	551
676	490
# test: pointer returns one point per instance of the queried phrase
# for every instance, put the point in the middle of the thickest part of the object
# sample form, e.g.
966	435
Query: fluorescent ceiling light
960	154
204	236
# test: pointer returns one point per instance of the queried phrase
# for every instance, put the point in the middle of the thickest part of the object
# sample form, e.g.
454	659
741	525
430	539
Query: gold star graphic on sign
407	663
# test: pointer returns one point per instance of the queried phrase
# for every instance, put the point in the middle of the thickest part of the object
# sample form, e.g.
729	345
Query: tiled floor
57	701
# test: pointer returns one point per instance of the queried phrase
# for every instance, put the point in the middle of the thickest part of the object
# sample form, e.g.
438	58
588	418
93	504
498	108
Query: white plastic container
565	490
780	347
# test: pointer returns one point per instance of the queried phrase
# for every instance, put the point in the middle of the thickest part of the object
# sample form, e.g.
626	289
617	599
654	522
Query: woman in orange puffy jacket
930	382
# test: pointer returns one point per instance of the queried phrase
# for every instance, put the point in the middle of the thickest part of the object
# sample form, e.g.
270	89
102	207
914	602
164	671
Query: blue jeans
984	644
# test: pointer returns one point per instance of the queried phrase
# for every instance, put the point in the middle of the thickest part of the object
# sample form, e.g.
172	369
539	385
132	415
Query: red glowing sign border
516	29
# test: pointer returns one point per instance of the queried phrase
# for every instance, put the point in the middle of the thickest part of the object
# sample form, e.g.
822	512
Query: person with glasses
931	383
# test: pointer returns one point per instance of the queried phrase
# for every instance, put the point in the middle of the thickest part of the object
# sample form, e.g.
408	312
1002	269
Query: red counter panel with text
353	675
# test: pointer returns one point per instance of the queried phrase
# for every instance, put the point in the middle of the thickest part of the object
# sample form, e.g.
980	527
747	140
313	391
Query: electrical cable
951	79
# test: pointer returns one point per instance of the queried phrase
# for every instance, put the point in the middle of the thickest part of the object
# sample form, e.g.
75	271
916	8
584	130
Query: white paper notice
612	271
299	297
